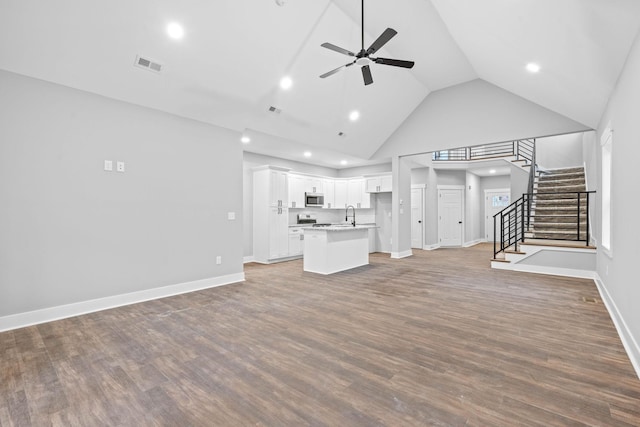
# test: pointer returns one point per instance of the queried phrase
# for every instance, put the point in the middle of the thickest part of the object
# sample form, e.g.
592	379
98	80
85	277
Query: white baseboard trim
247	259
431	247
628	341
403	254
473	243
50	314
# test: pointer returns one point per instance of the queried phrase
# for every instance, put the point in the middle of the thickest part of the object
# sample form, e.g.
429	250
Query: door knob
459	222
419	222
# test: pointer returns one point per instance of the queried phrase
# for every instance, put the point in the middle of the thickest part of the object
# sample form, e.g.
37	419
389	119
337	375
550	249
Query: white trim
247	259
50	314
630	344
403	254
473	243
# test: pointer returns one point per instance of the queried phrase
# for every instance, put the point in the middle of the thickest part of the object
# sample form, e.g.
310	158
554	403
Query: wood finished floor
437	339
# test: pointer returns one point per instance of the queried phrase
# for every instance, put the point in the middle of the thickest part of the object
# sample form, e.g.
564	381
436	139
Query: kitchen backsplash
334	216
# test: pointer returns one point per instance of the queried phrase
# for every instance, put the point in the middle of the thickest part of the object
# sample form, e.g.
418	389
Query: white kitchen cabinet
278	191
278	233
356	196
270	214
296	191
340	194
296	241
378	184
328	187
313	185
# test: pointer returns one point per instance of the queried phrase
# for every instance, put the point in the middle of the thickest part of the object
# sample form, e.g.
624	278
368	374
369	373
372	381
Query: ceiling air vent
148	64
275	110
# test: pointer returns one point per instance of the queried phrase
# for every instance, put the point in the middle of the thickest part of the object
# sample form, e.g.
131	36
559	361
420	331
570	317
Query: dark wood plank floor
437	339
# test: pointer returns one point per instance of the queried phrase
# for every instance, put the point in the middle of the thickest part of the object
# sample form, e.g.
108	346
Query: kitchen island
335	248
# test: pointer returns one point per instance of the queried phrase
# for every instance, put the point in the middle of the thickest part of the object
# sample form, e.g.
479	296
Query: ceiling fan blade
394	62
338	49
366	75
382	40
332	72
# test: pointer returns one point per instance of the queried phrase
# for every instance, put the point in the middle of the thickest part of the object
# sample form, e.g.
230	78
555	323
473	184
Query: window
500	201
606	142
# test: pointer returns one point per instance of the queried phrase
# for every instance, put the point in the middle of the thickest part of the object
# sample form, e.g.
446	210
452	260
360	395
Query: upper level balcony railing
522	149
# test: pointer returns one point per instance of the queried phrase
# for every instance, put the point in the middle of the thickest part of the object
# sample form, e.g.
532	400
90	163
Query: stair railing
511	225
522	149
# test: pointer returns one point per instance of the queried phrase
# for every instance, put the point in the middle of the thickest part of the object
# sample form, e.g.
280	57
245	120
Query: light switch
231	216
120	166
108	165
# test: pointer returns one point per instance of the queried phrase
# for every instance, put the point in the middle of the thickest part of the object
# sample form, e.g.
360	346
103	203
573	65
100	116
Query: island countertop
334	248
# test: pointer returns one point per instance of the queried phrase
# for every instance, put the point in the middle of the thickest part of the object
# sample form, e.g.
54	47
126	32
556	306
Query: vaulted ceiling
226	70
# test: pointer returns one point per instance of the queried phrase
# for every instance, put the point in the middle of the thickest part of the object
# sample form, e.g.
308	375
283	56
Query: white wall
72	232
561	151
619	273
472	113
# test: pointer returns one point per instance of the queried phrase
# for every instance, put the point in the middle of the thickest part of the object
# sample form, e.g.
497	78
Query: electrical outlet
108	165
218	260
120	166
231	216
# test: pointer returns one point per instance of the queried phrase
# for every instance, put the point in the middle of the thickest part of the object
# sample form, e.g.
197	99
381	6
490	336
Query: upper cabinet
296	191
328	188
313	185
287	189
378	184
278	188
356	195
340	194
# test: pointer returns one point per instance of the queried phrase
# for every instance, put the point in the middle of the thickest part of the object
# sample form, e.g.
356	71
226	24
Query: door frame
461	188
422	188
487	223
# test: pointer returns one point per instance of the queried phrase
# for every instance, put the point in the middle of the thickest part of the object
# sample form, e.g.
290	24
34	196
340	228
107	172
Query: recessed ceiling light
492	171
533	67
307	153
245	139
354	115
175	30
286	82
343	162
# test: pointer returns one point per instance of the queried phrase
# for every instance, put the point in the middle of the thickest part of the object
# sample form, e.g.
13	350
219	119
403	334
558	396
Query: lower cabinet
296	241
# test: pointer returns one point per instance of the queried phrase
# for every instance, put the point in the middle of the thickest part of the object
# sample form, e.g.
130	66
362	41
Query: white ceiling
226	69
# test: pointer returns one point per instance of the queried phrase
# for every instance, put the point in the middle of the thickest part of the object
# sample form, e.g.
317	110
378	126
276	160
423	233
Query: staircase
559	206
547	230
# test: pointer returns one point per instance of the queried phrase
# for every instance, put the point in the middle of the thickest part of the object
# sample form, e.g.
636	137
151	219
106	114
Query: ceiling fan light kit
364	58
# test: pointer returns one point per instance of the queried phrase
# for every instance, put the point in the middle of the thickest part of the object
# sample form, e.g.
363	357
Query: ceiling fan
364	57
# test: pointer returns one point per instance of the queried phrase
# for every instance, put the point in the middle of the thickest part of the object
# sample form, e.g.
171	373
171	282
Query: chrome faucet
346	217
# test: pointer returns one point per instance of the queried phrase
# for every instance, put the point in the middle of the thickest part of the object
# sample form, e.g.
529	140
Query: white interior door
494	202
450	220
417	229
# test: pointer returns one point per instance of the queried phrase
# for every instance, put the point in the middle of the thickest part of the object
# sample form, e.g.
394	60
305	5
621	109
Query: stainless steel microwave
313	199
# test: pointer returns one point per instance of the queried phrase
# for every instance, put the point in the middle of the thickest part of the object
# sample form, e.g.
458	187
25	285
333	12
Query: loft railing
522	149
513	223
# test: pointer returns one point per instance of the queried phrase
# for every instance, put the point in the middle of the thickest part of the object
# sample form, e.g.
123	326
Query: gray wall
364	170
618	272
472	113
72	232
562	151
473	205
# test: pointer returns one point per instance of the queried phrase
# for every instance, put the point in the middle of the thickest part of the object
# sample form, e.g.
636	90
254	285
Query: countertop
342	227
